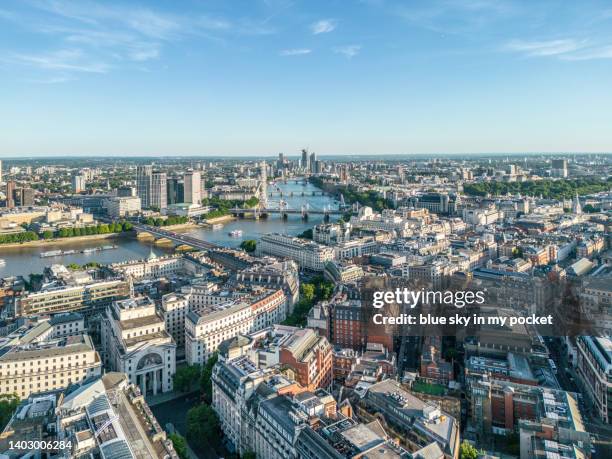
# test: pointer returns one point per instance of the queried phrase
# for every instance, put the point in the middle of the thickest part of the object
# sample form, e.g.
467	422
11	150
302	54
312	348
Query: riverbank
180	226
222	219
66	240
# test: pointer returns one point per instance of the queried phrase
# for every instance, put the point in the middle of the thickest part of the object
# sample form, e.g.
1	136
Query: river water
26	260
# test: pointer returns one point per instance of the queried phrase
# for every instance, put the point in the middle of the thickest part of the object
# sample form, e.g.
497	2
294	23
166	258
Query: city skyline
257	78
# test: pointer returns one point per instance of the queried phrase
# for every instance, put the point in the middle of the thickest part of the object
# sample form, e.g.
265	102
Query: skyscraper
193	187
175	191
158	191
78	183
143	184
24	196
10	194
313	162
305	160
559	168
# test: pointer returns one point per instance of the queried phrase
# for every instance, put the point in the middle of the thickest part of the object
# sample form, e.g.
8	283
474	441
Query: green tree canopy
186	377
467	451
248	245
180	445
8	405
202	426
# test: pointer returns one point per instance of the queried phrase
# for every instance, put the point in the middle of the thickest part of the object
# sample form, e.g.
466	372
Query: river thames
26	260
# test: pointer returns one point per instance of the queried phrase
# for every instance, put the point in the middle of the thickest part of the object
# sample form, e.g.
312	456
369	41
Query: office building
594	368
126	191
559	168
121	207
307	254
78	183
192	187
176	191
33	361
144	176
135	341
24	197
10	194
305	162
208	326
415	422
158	198
174	307
88	299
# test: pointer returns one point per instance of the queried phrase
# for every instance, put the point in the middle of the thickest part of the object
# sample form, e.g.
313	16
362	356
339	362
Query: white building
331	233
123	206
135	341
67	324
78	183
193	192
32	361
208	327
159	190
479	217
174	306
355	248
388	220
307	254
156	267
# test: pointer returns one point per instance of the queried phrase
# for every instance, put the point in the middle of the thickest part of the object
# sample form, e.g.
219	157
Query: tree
8	405
306	234
308	291
249	245
249	455
467	451
185	377
180	445
206	379
48	234
202	426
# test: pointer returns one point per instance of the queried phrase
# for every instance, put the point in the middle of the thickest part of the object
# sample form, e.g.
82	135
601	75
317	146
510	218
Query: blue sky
263	76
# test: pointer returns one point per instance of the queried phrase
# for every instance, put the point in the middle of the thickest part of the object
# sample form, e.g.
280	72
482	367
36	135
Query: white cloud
66	60
568	49
349	51
323	26
295	52
601	52
545	48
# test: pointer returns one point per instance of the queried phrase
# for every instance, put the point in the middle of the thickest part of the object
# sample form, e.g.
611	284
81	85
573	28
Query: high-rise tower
143	184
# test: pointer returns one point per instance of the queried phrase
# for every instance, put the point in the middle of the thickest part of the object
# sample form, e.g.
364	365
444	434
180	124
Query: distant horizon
297	155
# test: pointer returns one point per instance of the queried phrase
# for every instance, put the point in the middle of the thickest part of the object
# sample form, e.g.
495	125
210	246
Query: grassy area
426	388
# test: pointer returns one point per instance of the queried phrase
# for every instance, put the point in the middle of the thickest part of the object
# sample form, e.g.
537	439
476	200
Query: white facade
207	328
193	192
31	364
308	255
331	233
174	307
69	324
135	341
155	268
388	220
123	206
478	217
